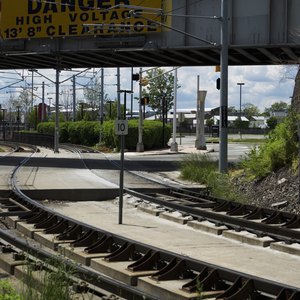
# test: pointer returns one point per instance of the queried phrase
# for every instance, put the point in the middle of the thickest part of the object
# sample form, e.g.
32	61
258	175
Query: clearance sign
26	19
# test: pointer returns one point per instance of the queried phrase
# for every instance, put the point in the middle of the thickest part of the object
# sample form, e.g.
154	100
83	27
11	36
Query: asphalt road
235	151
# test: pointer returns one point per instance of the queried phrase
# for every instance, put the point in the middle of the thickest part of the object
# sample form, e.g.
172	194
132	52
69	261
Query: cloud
264	85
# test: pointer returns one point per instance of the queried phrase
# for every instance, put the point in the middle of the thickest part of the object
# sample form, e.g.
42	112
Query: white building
231	119
258	122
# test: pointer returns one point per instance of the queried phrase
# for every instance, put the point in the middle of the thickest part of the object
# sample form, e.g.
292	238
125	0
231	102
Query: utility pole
56	133
118	88
174	145
240	123
43	102
101	104
74	98
140	145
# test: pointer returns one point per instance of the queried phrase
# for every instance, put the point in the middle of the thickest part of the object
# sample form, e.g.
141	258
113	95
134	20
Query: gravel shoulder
278	190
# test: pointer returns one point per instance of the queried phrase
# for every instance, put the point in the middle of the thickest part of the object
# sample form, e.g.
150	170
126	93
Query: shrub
7	292
87	133
280	149
152	135
108	138
64	132
46	128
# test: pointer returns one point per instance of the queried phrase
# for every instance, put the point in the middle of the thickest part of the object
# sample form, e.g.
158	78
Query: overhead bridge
80	34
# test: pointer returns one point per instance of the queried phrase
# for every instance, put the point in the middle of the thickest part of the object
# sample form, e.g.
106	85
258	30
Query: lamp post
140	145
3	121
240	123
18	117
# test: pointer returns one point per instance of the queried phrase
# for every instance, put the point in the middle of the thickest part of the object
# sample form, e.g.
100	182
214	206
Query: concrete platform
293	249
78	254
150	210
8	263
207	227
49	240
175	217
185	240
119	271
248	238
27	229
167	290
13	221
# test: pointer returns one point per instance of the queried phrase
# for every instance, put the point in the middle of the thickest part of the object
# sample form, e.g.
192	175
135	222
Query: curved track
163	265
281	226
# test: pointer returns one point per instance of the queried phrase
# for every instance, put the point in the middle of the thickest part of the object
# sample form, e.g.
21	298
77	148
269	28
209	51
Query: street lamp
3	121
18	117
240	123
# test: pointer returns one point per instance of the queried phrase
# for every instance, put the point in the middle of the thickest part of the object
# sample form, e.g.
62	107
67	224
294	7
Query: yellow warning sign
25	19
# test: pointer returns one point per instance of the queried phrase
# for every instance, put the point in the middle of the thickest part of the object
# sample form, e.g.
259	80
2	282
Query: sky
263	85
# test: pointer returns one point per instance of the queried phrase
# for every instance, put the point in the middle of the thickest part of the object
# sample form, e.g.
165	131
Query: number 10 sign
121	127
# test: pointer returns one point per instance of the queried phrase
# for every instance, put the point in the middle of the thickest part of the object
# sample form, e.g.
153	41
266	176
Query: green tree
276	106
250	110
232	110
111	109
160	89
240	124
210	122
24	101
92	95
272	122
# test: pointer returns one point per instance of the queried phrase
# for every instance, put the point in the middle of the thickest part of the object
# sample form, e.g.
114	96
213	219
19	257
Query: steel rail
276	232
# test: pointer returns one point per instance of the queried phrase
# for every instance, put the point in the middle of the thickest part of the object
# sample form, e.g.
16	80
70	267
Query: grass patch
258	141
42	281
202	169
7	291
45	282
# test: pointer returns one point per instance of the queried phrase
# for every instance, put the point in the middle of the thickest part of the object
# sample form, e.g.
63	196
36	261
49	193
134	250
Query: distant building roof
190	110
232	118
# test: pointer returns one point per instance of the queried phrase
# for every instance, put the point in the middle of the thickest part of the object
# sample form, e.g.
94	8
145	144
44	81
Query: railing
43	140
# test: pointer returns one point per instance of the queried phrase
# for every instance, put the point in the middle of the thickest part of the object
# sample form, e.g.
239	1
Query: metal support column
74	99
140	145
43	102
101	105
174	145
223	154
56	133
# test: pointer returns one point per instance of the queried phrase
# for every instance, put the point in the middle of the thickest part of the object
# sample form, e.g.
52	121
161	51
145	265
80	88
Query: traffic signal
218	69
218	83
136	77
144	81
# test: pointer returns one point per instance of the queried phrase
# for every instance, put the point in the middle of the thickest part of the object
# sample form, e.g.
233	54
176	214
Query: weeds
280	150
202	169
7	292
42	282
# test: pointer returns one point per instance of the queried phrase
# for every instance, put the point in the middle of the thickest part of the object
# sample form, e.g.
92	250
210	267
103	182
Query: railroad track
262	222
159	265
14	148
